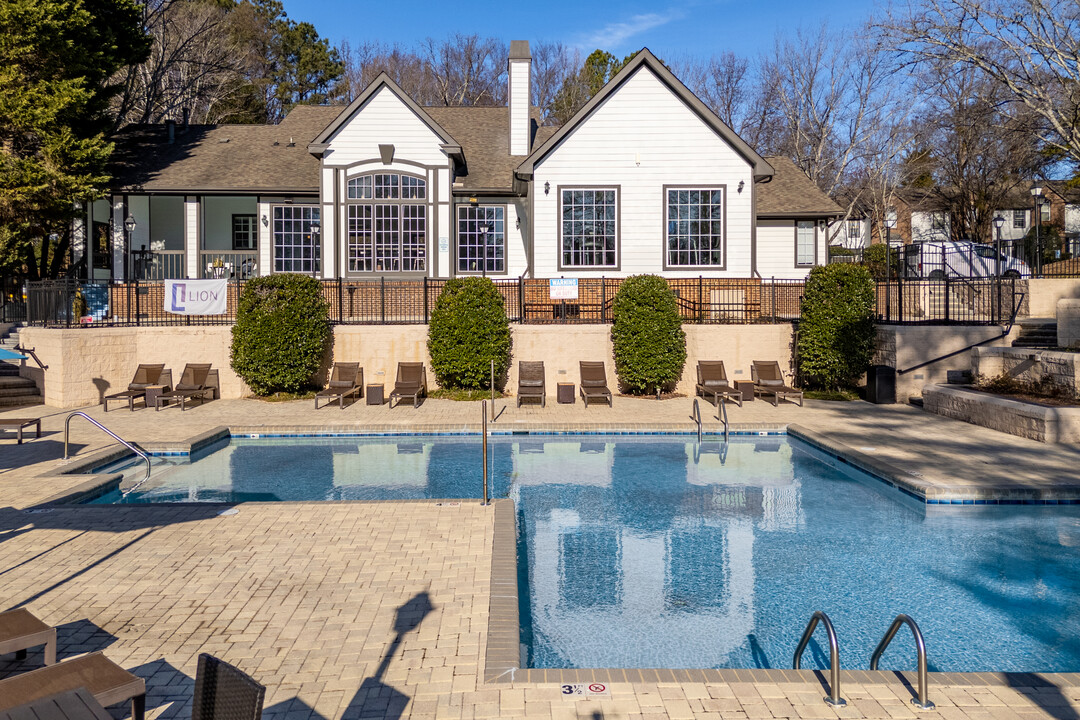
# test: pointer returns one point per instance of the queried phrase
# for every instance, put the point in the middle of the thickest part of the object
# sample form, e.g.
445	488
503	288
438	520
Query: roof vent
224	140
170	128
291	143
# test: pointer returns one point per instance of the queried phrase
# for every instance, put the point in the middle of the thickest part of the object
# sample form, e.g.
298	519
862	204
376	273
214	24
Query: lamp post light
890	223
129	228
315	239
998	222
1036	220
484	230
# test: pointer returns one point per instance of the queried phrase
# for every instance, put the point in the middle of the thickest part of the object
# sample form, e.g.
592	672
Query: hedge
836	338
647	334
467	330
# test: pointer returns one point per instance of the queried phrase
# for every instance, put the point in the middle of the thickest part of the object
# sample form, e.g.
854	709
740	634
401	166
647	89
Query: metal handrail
923	700
483	423
833	698
114	436
695	415
721	406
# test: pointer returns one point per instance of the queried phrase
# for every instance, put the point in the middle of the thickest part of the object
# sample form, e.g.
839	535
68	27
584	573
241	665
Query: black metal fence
937	260
961	301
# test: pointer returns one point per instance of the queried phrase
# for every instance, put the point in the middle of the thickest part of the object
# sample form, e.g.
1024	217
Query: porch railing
242	264
159	265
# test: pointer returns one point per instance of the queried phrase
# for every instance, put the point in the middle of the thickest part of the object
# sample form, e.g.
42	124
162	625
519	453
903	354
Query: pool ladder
114	436
695	415
922	701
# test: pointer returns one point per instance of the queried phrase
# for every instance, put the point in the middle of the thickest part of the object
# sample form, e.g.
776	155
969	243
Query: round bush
468	329
281	333
836	337
647	334
882	261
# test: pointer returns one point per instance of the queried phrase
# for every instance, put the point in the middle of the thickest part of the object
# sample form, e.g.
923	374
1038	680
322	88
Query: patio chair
107	682
531	381
20	630
411	383
146	376
712	382
594	382
224	692
345	379
192	385
769	380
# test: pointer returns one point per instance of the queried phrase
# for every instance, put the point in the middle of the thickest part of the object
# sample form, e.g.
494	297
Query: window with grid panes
474	245
589	221
295	247
243	232
385	233
805	239
695	226
1019	218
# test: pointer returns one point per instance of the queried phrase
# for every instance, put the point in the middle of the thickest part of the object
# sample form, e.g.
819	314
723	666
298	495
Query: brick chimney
520	69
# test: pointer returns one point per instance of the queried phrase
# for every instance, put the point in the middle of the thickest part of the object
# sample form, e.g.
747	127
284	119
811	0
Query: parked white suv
959	259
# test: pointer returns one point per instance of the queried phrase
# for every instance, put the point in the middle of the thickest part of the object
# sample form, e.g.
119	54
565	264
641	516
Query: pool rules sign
196	297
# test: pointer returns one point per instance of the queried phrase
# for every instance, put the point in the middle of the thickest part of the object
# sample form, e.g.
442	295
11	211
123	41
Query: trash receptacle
881	384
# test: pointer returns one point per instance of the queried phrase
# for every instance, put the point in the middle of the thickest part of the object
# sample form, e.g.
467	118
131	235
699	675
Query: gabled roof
791	193
645	57
383	80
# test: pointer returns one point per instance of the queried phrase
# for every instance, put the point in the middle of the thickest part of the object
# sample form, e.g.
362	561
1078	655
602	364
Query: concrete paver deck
381	609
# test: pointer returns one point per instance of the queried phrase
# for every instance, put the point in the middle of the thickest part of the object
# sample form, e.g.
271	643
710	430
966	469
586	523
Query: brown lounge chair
17	424
531	381
106	681
192	385
594	382
769	380
411	382
345	379
712	382
146	376
19	630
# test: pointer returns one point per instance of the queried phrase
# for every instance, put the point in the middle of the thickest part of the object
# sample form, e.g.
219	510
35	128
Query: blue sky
690	27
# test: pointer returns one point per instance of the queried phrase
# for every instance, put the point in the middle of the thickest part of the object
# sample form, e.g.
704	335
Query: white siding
1008	232
839	233
118	217
1072	219
641	138
517	256
191	235
922	227
518	77
78	234
384	119
776	250
266	245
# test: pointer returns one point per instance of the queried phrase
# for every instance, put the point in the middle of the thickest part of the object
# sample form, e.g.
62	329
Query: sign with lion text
196	297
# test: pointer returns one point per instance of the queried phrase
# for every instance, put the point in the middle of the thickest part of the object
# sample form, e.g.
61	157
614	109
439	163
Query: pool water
659	552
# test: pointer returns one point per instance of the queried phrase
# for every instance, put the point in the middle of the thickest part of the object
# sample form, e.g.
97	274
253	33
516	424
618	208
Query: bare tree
467	69
552	64
365	62
1030	47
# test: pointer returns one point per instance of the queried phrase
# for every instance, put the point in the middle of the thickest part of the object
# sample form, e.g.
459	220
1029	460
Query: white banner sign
563	288
195	297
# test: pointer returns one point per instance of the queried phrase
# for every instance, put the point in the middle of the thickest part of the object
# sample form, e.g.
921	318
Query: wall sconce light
265	221
742	184
517	223
547	188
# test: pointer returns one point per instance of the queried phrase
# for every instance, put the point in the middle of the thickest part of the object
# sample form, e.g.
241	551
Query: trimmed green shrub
836	337
281	333
877	259
650	345
468	329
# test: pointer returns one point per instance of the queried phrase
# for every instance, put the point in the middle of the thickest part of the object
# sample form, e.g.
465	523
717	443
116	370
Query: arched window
387	232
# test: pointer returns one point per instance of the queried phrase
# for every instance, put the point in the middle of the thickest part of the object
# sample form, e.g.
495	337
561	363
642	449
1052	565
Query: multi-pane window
1019	218
243	232
296	247
854	229
384	233
939	221
481	239
695	227
1044	211
589	236
805	238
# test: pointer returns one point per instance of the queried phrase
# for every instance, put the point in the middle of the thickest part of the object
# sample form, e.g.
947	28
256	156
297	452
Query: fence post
521	299
425	301
899	298
127	291
137	304
775	316
603	300
382	298
946	296
700	299
340	300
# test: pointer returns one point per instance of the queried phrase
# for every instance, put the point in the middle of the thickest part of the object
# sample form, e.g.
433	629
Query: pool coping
502	653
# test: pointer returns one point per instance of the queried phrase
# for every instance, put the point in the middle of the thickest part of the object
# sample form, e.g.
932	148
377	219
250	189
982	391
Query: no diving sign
587	690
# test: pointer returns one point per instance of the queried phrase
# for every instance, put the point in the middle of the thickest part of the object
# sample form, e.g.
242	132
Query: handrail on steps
114	436
833	698
923	700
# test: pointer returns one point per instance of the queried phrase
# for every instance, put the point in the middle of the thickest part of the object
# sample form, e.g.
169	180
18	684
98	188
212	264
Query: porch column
328	223
119	214
191	235
78	234
266	241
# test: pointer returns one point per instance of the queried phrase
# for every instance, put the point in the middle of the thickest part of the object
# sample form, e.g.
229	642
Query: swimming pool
659	552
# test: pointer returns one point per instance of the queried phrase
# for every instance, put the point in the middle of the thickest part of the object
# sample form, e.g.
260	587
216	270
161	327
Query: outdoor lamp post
484	230
998	222
315	228
129	228
1036	220
890	223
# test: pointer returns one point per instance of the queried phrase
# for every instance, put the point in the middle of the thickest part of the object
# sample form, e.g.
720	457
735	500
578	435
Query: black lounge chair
594	382
712	382
224	692
146	376
531	381
345	379
192	385
411	383
769	380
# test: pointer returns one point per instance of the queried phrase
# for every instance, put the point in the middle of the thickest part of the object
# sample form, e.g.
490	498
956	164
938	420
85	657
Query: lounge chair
594	382
531	381
20	630
17	424
146	376
411	382
769	380
224	692
192	385
345	379
712	382
106	681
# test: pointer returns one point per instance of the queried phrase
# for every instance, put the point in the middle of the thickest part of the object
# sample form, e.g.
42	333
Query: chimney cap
519	50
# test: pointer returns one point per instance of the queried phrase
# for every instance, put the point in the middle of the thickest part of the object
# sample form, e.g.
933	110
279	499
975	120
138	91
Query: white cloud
612	35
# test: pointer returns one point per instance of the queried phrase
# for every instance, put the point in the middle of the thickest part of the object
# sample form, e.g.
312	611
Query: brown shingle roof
791	193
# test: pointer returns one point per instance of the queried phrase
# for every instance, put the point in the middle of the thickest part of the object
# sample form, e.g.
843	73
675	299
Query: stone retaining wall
1023	419
1028	365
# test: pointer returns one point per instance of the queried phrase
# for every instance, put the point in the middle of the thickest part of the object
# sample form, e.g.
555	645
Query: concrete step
14	391
21	400
8	382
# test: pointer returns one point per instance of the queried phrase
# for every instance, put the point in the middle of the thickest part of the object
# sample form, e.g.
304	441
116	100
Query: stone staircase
14	390
1037	333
